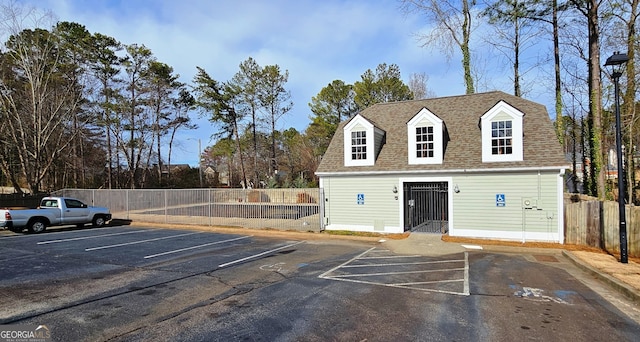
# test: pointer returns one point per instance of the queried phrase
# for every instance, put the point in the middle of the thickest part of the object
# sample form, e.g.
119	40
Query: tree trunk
235	130
595	103
628	107
516	55
560	124
255	145
464	47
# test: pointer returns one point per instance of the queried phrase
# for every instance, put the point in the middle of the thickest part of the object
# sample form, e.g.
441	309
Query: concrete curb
291	234
626	290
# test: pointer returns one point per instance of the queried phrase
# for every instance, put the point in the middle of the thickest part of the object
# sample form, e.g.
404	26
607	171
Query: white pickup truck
53	211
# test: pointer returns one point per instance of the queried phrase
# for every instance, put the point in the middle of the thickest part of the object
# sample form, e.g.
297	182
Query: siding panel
378	208
475	208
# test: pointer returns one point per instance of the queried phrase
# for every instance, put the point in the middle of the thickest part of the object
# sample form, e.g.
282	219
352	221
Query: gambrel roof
462	137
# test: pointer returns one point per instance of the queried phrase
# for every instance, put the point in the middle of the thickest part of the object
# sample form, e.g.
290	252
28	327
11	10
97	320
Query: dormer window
424	142
424	135
358	145
362	142
502	137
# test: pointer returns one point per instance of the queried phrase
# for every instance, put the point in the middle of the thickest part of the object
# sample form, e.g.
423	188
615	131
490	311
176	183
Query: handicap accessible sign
360	199
500	202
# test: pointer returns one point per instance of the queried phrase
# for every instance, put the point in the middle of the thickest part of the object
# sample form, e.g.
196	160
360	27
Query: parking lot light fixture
617	62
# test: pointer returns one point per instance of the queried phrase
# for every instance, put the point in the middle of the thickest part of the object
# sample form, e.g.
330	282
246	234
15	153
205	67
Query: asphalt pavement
624	278
273	299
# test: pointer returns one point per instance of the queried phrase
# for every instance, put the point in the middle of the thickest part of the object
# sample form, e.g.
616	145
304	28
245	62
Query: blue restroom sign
360	199
500	202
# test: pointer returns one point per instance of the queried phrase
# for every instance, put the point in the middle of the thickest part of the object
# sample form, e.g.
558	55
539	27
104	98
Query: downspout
323	203
560	208
539	187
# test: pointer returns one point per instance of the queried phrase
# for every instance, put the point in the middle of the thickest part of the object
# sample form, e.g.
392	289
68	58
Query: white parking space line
390	257
138	242
408	285
440	280
258	255
426	282
466	274
393	273
194	247
12	236
471	246
90	237
324	275
404	263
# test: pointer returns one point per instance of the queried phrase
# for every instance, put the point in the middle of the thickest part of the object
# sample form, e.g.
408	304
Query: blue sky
316	41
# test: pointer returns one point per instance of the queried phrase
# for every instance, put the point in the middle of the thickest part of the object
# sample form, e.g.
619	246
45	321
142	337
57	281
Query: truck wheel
98	221
37	226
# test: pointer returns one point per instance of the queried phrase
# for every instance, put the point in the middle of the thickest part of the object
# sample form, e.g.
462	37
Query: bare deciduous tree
39	99
275	100
514	34
453	24
418	86
590	10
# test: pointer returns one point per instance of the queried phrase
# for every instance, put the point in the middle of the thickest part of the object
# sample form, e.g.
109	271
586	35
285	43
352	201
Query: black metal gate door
426	207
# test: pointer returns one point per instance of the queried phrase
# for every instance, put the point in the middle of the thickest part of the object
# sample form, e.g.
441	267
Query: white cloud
316	41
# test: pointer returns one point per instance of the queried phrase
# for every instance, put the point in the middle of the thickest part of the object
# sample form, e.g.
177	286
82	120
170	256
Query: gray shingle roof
461	116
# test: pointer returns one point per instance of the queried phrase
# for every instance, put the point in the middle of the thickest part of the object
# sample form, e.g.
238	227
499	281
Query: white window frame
424	118
358	123
502	111
359	135
506	138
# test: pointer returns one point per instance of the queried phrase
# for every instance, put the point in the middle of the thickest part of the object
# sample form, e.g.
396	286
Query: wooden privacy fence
595	223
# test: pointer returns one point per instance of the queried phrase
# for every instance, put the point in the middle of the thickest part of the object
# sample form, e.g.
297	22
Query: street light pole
616	61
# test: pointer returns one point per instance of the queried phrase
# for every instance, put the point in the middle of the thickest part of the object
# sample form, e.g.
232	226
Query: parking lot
127	283
167	249
377	266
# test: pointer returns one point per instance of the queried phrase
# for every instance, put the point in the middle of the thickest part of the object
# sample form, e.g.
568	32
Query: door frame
426	179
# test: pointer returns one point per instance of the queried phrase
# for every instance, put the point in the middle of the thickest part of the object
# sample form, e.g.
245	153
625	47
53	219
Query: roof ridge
440	98
460	114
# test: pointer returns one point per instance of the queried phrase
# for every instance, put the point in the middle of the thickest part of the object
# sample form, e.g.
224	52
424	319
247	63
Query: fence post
126	192
631	231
